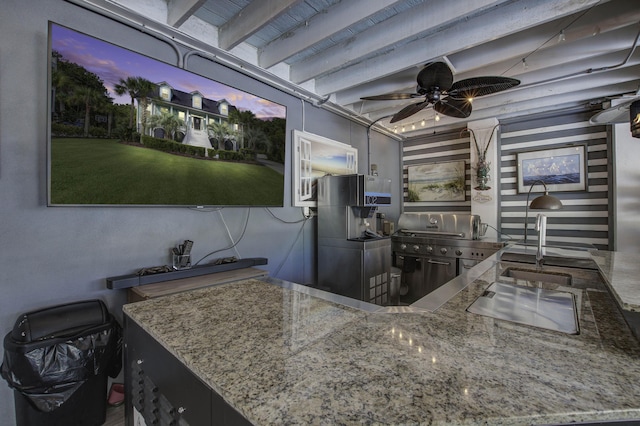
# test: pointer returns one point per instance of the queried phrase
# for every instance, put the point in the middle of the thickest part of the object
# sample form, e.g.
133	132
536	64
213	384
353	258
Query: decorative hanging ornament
482	166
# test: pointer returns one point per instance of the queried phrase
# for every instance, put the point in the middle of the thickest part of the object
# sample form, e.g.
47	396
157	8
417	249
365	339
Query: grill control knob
459	252
429	249
443	250
403	246
416	248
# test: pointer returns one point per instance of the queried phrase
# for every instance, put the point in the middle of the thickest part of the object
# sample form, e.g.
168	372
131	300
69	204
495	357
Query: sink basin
534	275
549	309
564	259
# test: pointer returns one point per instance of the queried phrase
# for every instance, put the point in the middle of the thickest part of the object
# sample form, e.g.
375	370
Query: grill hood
444	225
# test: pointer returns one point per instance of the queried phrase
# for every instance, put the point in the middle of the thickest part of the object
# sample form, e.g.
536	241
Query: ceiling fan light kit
634	113
628	110
436	85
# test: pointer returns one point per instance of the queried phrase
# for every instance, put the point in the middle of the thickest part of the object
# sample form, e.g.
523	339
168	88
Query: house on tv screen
199	121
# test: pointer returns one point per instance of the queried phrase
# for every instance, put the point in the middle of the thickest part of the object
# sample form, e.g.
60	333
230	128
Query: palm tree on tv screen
245	119
138	88
168	121
90	99
221	132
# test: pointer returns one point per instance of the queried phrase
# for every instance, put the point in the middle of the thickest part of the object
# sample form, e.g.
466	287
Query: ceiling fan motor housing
634	118
434	94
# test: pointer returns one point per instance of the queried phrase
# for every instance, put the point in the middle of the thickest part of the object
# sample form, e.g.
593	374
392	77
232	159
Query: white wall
485	203
52	255
627	189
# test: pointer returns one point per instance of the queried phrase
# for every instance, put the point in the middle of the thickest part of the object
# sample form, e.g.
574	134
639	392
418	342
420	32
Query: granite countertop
281	353
621	272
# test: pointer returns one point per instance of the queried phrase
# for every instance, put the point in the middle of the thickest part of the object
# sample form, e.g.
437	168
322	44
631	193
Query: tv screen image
129	130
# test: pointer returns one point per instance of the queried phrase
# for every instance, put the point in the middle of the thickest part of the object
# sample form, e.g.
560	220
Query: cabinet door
162	390
438	271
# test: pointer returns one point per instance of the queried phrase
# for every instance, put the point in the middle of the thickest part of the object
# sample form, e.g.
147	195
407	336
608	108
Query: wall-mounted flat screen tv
129	130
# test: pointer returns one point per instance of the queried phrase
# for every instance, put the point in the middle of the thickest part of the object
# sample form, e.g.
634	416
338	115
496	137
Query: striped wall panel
451	145
584	218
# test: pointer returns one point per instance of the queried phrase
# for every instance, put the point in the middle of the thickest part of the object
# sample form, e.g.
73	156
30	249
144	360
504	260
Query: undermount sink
553	257
534	275
537	307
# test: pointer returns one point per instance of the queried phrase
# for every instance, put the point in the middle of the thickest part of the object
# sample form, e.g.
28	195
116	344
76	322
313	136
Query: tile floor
115	416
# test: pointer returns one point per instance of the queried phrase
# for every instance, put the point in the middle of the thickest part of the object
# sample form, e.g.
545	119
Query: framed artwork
437	182
561	169
316	156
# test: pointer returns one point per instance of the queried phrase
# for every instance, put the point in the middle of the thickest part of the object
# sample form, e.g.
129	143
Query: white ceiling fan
616	114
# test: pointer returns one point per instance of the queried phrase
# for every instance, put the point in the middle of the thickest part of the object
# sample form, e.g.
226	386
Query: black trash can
57	361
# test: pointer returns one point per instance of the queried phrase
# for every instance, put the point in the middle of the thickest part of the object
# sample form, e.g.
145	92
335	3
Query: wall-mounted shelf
165	288
134	280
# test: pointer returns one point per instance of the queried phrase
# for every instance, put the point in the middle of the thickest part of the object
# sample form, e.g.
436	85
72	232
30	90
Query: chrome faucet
541	227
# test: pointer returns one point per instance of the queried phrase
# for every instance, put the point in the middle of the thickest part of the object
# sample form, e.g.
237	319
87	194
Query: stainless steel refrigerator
354	259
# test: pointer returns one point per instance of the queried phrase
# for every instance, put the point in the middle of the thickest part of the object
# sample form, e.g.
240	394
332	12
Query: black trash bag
48	370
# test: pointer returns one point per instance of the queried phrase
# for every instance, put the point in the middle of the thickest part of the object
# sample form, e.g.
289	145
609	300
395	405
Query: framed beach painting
561	169
315	156
436	182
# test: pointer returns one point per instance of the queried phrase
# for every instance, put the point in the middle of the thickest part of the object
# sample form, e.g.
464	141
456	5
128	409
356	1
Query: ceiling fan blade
614	115
435	74
408	111
391	97
458	108
480	86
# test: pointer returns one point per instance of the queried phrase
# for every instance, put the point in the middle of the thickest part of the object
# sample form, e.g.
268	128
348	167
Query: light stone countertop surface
287	354
621	272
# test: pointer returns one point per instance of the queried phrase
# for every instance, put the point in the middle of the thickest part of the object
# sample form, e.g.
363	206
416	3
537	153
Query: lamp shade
545	202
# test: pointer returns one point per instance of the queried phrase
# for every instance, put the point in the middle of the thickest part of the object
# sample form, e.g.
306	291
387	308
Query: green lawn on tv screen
102	171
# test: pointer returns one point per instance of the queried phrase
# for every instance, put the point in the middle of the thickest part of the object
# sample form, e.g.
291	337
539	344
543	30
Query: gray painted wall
442	147
584	217
56	255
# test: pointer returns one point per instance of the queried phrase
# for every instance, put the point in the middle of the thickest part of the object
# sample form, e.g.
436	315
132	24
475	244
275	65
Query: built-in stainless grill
432	249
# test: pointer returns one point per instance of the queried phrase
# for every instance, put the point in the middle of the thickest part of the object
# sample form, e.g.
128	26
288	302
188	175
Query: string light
414	125
561	37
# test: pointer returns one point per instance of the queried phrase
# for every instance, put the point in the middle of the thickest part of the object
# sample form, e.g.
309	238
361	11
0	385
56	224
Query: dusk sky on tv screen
112	63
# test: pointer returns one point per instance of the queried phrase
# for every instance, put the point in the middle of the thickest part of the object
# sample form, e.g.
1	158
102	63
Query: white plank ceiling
566	53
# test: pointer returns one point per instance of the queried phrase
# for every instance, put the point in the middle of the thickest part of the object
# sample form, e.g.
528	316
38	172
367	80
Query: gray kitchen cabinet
161	390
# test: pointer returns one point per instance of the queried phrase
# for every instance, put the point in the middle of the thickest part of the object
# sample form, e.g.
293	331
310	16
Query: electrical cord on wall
233	244
304	221
304	218
500	232
277	270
